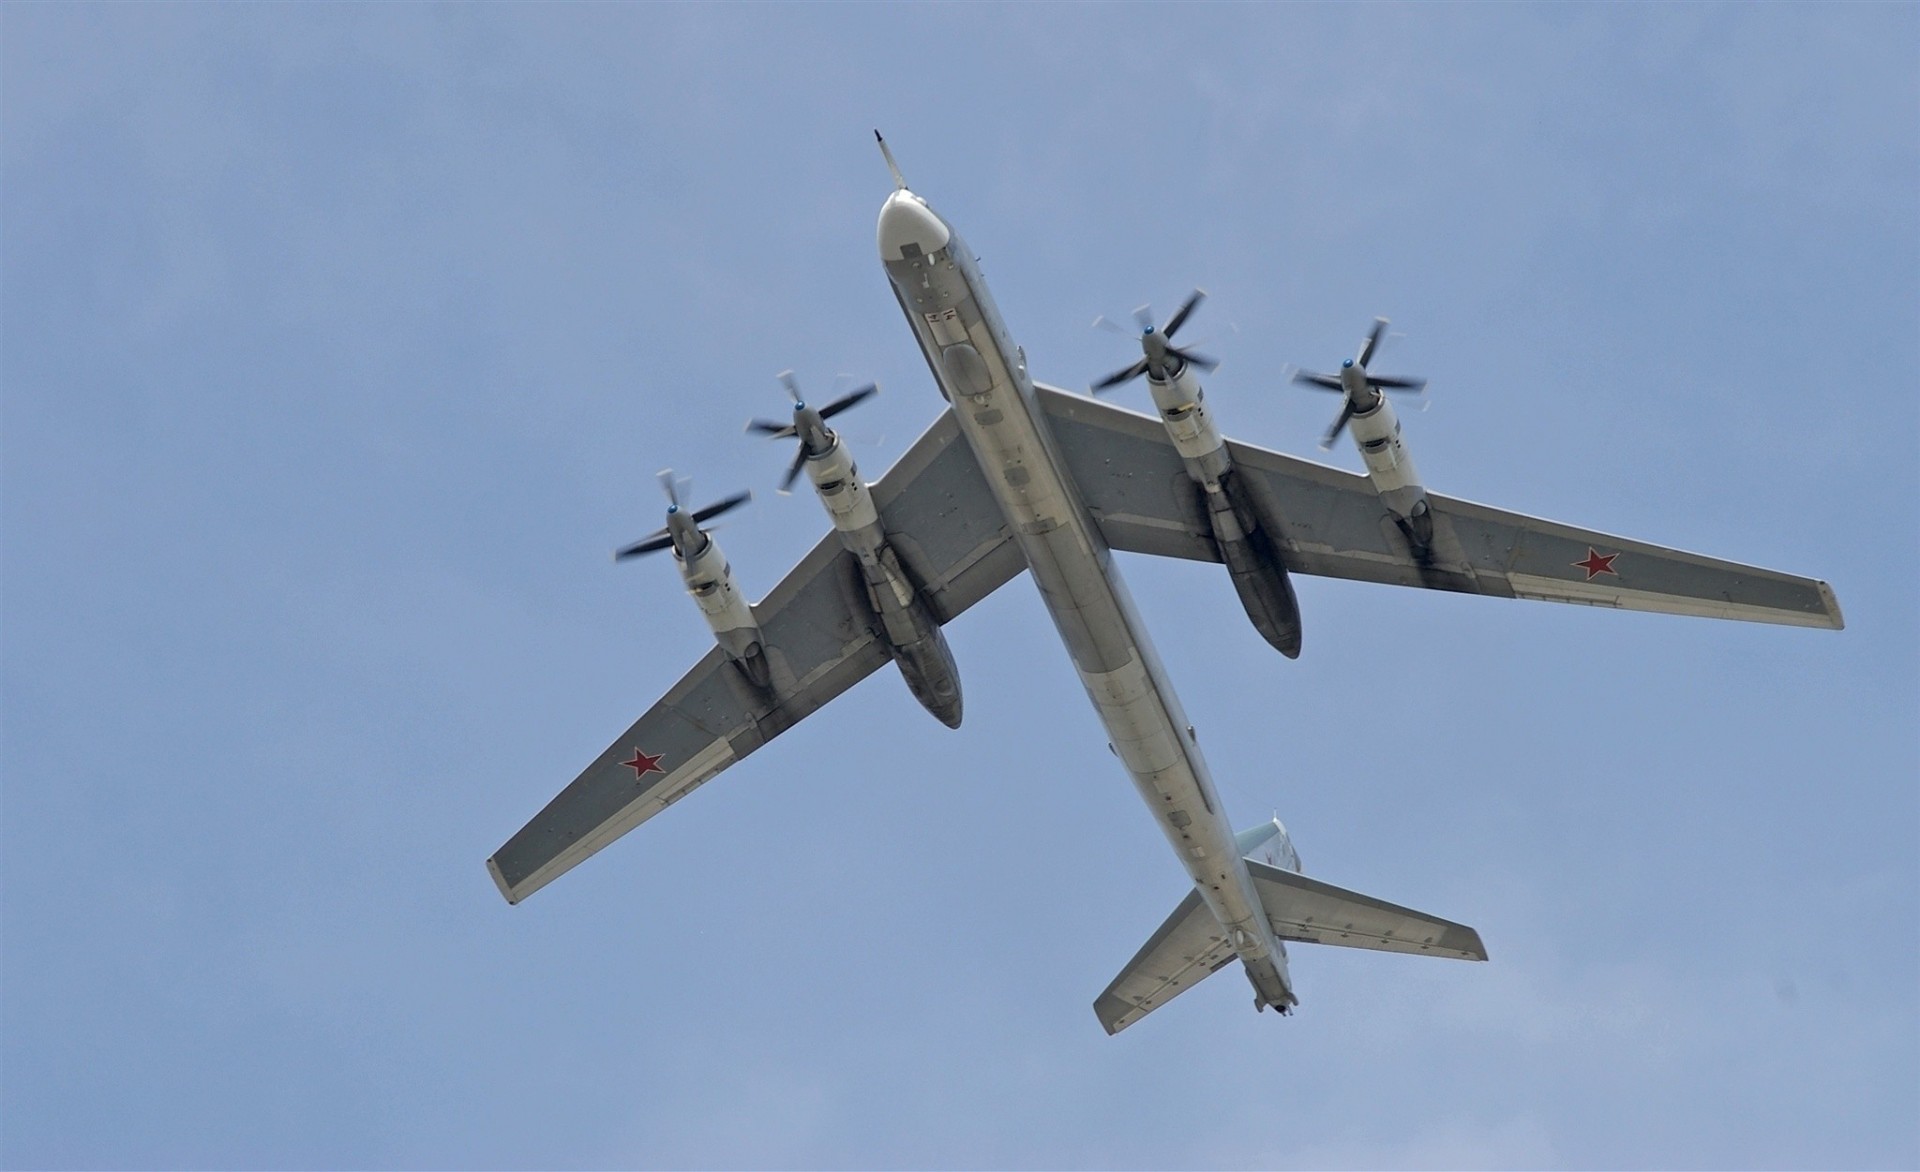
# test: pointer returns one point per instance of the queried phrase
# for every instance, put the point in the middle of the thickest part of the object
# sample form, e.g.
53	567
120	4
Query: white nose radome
905	220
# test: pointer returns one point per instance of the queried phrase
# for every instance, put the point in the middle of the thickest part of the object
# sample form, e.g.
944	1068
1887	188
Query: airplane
1016	475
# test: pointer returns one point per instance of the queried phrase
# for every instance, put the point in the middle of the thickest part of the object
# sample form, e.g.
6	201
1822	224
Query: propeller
808	425
678	517
1159	357
1354	380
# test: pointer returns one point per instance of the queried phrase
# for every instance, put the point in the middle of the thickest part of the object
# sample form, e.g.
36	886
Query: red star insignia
1597	563
643	764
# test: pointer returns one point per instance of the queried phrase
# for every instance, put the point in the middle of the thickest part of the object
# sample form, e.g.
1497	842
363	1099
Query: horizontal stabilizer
1186	949
1313	912
1191	945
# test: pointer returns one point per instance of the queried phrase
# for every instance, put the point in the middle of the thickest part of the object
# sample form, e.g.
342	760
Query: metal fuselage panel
983	374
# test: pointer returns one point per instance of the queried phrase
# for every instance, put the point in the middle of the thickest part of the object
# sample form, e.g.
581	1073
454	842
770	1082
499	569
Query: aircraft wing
821	638
1333	524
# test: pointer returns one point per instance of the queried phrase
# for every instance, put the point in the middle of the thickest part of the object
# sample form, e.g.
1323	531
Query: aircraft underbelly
1074	570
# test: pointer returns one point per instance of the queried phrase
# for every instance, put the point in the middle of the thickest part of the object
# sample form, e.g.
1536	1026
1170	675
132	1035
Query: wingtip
1833	607
500	881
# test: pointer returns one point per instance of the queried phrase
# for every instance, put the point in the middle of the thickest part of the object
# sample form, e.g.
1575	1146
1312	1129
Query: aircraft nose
906	220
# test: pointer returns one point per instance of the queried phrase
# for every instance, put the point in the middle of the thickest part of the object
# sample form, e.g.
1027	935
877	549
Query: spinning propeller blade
800	412
1121	376
702	516
1143	316
1372	343
675	488
848	400
1180	315
1339	425
1194	358
1331	382
793	470
658	541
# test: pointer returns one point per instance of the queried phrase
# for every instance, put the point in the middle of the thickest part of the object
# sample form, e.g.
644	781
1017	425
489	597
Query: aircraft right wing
821	638
1333	524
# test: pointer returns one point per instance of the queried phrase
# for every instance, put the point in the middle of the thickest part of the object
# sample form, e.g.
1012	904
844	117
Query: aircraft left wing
1332	523
821	638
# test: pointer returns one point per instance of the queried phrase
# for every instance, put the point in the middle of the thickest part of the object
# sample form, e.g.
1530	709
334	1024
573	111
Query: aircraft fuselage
983	375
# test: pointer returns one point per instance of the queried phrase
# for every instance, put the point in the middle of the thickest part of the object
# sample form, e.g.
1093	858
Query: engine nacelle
1259	577
837	481
1183	409
710	580
912	634
1377	433
1240	531
914	637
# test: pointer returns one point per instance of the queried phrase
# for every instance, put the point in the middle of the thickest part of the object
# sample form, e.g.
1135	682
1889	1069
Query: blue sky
340	345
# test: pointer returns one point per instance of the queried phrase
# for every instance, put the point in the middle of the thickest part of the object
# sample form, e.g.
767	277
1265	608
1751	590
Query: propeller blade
848	400
1144	316
1339	425
769	427
1399	384
793	470
1103	322
1179	317
1372	343
671	486
1121	376
1325	382
718	507
653	544
1194	358
792	384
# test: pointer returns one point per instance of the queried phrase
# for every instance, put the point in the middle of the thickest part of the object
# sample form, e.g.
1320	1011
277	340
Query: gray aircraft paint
983	374
1017	475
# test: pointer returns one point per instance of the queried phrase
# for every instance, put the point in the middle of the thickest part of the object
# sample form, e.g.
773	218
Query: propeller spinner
682	531
809	425
1160	358
1361	389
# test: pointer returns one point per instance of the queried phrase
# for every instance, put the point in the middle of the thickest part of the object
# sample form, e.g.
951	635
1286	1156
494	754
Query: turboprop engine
708	577
912	634
1241	530
1376	431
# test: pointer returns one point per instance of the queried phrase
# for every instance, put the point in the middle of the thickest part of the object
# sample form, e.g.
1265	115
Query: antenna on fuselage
899	180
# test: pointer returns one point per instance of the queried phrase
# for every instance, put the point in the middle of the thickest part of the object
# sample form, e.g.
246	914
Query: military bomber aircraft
1016	475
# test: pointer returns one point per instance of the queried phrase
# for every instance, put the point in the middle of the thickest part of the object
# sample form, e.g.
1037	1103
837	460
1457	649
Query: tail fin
1192	944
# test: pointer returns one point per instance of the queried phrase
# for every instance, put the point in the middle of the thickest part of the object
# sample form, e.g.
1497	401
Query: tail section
1192	944
1312	912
